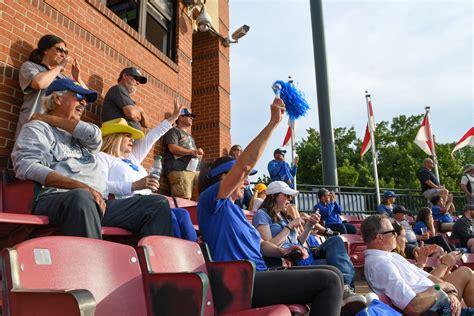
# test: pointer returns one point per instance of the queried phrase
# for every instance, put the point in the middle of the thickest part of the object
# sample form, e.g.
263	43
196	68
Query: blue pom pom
296	105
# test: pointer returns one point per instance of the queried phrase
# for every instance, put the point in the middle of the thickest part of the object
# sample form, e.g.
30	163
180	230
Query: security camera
204	20
240	32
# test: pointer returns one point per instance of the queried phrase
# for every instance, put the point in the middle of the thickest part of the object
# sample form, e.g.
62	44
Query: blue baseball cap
71	85
185	112
389	194
224	168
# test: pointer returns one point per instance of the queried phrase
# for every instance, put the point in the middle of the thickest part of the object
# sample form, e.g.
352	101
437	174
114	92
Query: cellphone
294	255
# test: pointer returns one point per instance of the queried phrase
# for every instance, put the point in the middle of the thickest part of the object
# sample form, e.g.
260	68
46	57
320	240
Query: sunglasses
62	50
79	97
136	78
390	232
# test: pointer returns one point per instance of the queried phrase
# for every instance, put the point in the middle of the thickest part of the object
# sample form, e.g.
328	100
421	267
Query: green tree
399	158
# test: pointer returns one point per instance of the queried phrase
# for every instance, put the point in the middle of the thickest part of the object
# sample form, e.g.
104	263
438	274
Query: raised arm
252	153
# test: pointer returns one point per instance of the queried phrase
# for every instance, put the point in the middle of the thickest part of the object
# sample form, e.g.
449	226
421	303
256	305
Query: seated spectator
411	245
409	288
258	197
387	204
331	213
274	225
230	236
429	182
120	161
57	150
467	183
425	231
45	64
441	211
464	228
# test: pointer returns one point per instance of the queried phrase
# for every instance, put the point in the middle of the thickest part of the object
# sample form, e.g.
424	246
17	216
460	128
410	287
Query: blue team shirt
225	229
382	209
262	218
329	212
437	215
281	171
417	227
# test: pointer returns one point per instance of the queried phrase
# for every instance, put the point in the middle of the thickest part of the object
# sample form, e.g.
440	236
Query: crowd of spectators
91	176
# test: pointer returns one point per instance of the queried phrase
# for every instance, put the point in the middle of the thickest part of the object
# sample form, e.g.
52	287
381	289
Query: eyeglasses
61	50
389	232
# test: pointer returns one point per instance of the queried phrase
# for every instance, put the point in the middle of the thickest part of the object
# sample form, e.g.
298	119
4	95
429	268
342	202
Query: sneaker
352	303
329	233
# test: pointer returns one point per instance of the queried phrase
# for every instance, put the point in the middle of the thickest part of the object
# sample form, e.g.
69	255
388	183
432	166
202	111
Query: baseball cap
260	187
185	112
280	187
120	125
399	209
468	167
279	151
71	85
389	194
132	71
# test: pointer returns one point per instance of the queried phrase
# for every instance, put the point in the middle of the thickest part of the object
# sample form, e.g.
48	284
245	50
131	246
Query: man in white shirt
467	183
410	288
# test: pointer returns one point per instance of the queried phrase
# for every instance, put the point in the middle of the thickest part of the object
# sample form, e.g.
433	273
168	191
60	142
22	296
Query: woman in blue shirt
440	211
231	237
387	204
331	213
424	230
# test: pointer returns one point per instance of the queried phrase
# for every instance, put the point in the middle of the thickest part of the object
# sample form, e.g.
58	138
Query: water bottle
442	304
156	168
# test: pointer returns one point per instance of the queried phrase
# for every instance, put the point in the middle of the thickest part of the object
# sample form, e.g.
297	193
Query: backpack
468	184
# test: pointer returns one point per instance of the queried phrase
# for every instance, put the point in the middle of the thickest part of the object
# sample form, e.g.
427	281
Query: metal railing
362	200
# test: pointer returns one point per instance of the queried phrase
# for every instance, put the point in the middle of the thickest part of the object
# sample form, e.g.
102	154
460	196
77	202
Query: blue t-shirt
281	171
225	229
437	215
261	217
382	209
329	212
417	227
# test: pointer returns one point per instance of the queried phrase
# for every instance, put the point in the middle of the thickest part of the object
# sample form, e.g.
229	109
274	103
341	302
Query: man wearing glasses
119	104
182	157
57	150
410	288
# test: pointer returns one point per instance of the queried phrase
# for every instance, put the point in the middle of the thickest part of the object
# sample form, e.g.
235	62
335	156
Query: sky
407	54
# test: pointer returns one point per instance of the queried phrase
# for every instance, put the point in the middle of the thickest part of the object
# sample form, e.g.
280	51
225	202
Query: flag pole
293	155
433	151
371	124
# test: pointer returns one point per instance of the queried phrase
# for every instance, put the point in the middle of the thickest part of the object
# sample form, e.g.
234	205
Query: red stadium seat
178	271
59	275
355	248
190	205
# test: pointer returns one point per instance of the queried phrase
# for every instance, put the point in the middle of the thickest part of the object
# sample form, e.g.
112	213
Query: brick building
108	35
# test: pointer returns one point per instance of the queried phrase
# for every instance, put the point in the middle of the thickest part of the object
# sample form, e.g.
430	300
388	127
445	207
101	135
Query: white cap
280	187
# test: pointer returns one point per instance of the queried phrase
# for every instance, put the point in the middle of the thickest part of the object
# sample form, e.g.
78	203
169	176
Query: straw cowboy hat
120	125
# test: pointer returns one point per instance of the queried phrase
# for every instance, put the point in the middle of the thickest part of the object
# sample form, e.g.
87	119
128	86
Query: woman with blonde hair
120	160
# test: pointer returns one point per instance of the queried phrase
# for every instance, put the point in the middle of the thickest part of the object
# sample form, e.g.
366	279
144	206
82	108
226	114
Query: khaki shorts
184	183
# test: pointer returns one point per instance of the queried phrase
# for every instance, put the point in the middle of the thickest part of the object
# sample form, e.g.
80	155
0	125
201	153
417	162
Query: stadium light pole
328	150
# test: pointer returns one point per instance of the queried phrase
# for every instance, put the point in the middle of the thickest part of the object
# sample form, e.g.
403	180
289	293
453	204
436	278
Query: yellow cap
260	187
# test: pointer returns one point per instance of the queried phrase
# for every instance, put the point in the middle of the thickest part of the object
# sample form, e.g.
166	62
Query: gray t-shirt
115	100
41	149
32	98
178	137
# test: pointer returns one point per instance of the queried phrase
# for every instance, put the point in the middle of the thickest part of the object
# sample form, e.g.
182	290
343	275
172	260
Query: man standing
57	150
464	228
410	289
119	104
182	157
467	183
429	182
280	170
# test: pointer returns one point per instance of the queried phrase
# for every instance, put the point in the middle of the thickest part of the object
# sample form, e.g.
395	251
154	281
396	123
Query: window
154	19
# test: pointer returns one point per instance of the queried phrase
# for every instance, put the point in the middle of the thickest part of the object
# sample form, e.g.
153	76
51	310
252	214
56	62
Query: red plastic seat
190	205
184	284
59	275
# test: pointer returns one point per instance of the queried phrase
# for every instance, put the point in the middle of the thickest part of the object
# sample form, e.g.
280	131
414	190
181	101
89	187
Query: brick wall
103	45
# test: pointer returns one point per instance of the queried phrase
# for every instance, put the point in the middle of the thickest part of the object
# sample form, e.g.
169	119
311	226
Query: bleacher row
45	274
